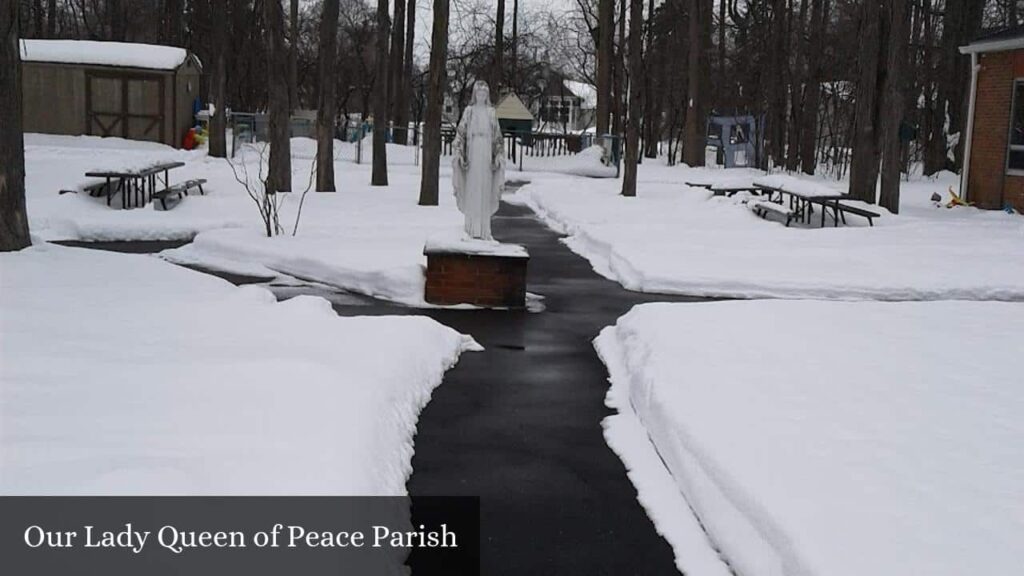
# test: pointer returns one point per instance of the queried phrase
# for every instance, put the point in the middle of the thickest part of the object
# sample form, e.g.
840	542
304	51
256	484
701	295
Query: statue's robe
478	168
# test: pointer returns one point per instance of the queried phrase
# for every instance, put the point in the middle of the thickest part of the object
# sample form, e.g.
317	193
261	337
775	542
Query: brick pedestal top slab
487	274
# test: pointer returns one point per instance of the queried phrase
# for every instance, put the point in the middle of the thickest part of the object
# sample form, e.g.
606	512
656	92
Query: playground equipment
735	140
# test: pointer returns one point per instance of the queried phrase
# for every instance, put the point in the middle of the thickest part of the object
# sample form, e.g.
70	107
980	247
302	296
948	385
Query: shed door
129	106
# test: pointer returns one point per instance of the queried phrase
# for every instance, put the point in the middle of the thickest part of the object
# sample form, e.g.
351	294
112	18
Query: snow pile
587	163
892	446
363	239
126	375
91	52
678	239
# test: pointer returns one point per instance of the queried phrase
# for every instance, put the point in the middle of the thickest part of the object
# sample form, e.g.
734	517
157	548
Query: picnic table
132	183
729	186
803	195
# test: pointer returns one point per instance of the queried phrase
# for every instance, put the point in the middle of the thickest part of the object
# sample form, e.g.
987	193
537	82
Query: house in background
566	105
993	174
133	91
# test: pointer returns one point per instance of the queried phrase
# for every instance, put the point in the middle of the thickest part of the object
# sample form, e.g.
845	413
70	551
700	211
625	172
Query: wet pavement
520	424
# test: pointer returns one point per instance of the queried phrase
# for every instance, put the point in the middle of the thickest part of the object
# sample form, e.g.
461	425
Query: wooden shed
513	115
993	174
134	91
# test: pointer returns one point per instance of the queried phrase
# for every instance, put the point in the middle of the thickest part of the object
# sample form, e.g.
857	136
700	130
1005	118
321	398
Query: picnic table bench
801	202
178	190
763	207
131	183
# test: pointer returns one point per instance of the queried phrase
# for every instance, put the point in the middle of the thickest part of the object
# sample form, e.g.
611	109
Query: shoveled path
520	424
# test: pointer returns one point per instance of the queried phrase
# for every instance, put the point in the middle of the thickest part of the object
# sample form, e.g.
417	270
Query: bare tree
326	108
812	92
696	109
498	74
435	105
636	30
897	18
51	19
380	99
218	81
14	233
293	55
402	96
865	162
605	56
279	176
396	94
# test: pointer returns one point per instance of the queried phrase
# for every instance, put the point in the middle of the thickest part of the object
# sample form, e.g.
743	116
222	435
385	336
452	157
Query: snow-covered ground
123	374
673	238
831	438
361	238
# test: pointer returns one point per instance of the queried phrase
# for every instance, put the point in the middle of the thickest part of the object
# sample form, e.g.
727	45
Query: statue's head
481	93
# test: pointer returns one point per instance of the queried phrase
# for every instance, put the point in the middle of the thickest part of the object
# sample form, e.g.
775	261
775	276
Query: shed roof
122	54
512	108
999	40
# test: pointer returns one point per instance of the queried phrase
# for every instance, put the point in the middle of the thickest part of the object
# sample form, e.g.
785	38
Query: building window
1015	160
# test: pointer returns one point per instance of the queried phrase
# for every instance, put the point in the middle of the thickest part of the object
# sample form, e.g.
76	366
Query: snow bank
891	446
126	375
587	163
363	239
132	55
677	239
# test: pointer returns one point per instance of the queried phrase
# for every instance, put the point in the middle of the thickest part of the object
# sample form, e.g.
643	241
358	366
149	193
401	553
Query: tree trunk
498	73
892	106
696	115
174	12
619	76
636	27
402	106
380	99
435	106
14	233
293	56
279	175
117	24
650	128
51	19
864	164
218	81
326	108
798	90
812	98
397	69
515	43
605	58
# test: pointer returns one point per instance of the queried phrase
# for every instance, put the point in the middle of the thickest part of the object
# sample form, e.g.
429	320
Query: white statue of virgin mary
478	169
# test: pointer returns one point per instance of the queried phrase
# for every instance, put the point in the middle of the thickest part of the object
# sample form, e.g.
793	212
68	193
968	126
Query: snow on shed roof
125	54
512	108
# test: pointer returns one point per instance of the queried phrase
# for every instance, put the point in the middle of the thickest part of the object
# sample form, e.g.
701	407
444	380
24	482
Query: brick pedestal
494	277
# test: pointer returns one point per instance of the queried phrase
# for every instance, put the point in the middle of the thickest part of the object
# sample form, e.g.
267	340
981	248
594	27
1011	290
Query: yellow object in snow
956	200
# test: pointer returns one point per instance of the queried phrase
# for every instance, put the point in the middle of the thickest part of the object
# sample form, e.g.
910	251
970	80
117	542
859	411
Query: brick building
993	175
